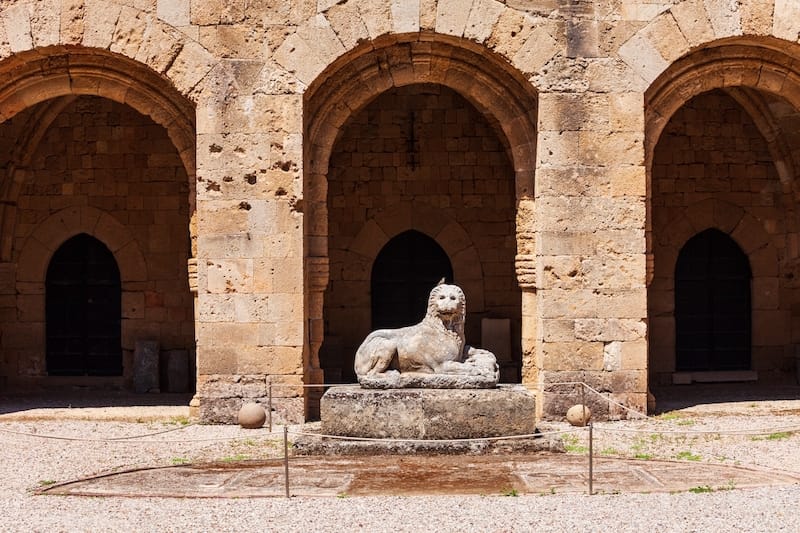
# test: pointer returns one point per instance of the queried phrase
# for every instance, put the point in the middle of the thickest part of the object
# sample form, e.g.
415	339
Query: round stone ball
252	416
579	415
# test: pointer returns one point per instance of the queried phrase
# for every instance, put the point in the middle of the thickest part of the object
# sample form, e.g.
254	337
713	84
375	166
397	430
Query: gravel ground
30	461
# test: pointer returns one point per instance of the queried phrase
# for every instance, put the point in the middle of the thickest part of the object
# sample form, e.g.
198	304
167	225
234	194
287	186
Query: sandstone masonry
245	163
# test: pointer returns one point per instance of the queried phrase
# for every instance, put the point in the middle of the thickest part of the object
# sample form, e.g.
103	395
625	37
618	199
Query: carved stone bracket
318	269
526	271
191	266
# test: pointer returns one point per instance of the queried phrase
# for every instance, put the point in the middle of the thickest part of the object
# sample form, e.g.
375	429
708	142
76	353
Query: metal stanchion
286	458
591	459
269	406
583	395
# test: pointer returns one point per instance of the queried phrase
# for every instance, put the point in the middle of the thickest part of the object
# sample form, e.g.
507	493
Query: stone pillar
526	277
250	302
590	251
525	266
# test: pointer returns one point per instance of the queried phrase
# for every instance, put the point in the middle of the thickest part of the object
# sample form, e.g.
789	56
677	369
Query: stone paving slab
418	475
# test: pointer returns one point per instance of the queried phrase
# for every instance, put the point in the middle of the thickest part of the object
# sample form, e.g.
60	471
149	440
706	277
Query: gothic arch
38	249
758	73
687	26
34	76
447	233
748	233
35	255
485	79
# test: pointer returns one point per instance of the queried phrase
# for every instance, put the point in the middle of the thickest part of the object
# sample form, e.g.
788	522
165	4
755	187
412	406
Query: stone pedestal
428	413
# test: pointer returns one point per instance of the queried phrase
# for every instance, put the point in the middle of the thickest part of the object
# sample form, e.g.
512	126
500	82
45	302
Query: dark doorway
712	304
83	307
403	274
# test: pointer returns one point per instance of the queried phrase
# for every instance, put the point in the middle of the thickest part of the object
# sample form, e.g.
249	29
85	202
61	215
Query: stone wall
255	99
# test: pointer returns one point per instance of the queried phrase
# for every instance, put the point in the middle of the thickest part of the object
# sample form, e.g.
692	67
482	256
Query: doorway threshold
713	376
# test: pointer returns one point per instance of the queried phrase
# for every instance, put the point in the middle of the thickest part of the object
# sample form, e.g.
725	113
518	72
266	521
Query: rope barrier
139	439
84	439
538	388
135	438
732	433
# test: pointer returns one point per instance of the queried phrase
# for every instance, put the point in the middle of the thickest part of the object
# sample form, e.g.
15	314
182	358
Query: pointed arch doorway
712	305
83	310
403	274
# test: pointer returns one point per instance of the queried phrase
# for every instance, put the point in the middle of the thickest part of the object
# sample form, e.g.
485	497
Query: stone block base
428	413
314	445
219	398
226	410
614	390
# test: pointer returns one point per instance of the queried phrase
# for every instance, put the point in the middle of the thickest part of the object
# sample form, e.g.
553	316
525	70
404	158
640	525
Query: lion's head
448	304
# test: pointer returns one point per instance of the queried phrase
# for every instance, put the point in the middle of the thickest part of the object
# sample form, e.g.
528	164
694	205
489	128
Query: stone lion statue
434	346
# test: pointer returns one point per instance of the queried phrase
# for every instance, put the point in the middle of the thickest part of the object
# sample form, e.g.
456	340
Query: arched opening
82	310
93	142
720	125
712	305
444	125
419	164
403	274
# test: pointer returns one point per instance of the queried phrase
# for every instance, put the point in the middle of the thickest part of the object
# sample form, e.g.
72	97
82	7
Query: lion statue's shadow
434	346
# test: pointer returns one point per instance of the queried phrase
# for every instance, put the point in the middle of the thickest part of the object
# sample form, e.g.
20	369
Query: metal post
286	458
591	459
269	406
583	403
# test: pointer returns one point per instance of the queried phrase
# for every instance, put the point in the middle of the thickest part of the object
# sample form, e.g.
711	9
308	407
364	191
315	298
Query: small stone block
145	366
177	363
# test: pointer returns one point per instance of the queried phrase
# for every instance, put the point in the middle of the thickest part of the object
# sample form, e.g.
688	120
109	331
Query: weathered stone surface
313	445
177	371
425	115
225	410
428	413
396	380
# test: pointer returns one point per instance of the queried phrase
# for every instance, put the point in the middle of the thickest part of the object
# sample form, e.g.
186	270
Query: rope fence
286	432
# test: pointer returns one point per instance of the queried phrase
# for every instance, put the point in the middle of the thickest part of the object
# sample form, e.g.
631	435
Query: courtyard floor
725	462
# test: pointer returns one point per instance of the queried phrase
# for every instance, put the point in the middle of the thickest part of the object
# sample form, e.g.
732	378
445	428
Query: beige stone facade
245	163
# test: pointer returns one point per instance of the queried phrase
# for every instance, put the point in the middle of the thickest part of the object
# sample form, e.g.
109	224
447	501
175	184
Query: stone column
317	275
590	249
526	277
250	301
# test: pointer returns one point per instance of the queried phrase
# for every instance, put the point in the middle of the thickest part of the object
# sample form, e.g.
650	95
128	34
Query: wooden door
712	304
83	308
